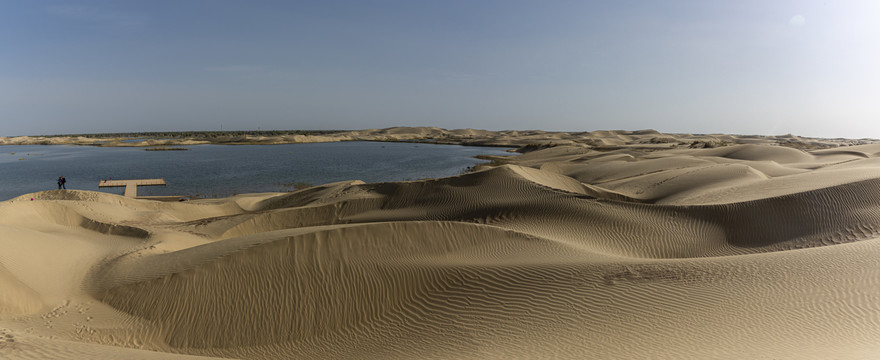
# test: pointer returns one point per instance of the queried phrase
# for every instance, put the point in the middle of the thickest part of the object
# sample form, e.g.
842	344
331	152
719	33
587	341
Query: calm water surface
224	170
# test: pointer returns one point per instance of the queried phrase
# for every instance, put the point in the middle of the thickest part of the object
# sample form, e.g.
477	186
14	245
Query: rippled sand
630	245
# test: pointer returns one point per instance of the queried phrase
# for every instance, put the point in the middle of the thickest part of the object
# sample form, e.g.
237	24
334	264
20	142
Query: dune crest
626	247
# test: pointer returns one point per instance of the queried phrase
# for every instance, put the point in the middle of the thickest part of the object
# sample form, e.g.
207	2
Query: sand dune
599	249
603	139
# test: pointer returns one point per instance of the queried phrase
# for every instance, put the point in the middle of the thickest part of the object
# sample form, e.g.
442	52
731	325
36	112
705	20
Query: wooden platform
131	185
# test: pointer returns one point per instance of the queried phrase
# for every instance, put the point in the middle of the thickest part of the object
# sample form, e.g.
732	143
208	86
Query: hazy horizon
806	68
344	130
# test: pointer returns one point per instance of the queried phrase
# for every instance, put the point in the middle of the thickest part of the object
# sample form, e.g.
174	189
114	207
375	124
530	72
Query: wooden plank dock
131	185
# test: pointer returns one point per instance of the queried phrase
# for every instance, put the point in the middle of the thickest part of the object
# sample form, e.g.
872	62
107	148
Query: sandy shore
604	245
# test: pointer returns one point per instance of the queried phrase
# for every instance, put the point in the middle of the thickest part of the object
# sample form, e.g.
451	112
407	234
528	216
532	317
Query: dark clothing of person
63	183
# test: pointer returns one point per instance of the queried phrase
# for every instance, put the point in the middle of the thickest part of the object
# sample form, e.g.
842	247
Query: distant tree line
203	134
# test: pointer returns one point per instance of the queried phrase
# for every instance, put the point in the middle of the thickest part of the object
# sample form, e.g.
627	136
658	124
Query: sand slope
740	251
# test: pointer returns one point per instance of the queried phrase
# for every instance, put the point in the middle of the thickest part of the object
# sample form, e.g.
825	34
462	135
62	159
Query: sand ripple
744	251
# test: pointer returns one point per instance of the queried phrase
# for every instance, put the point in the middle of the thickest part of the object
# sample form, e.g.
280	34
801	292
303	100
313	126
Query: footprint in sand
7	340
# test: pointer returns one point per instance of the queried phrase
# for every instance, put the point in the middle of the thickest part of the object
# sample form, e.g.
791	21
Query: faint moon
797	20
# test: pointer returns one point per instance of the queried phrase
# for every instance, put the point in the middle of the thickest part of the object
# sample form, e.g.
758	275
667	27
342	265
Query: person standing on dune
63	182
59	183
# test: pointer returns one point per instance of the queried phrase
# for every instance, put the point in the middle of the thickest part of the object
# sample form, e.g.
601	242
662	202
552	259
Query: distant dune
606	140
609	244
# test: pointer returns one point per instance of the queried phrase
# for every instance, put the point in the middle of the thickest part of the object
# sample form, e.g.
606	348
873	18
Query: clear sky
809	68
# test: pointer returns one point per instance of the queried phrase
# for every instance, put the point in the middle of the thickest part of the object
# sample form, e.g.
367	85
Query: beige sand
617	245
601	140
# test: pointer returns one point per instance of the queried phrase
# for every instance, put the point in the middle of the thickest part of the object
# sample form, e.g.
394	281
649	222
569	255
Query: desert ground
592	245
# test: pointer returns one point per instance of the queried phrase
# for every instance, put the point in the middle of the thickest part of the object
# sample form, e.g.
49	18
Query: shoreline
282	164
668	244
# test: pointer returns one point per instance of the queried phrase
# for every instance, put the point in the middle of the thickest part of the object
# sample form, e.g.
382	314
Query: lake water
224	170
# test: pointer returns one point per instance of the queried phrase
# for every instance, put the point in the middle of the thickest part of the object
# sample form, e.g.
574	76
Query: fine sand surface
620	245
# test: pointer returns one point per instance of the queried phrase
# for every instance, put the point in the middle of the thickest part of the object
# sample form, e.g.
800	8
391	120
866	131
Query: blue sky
746	67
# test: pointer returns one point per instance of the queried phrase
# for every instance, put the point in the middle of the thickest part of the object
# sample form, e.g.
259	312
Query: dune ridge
602	139
749	250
